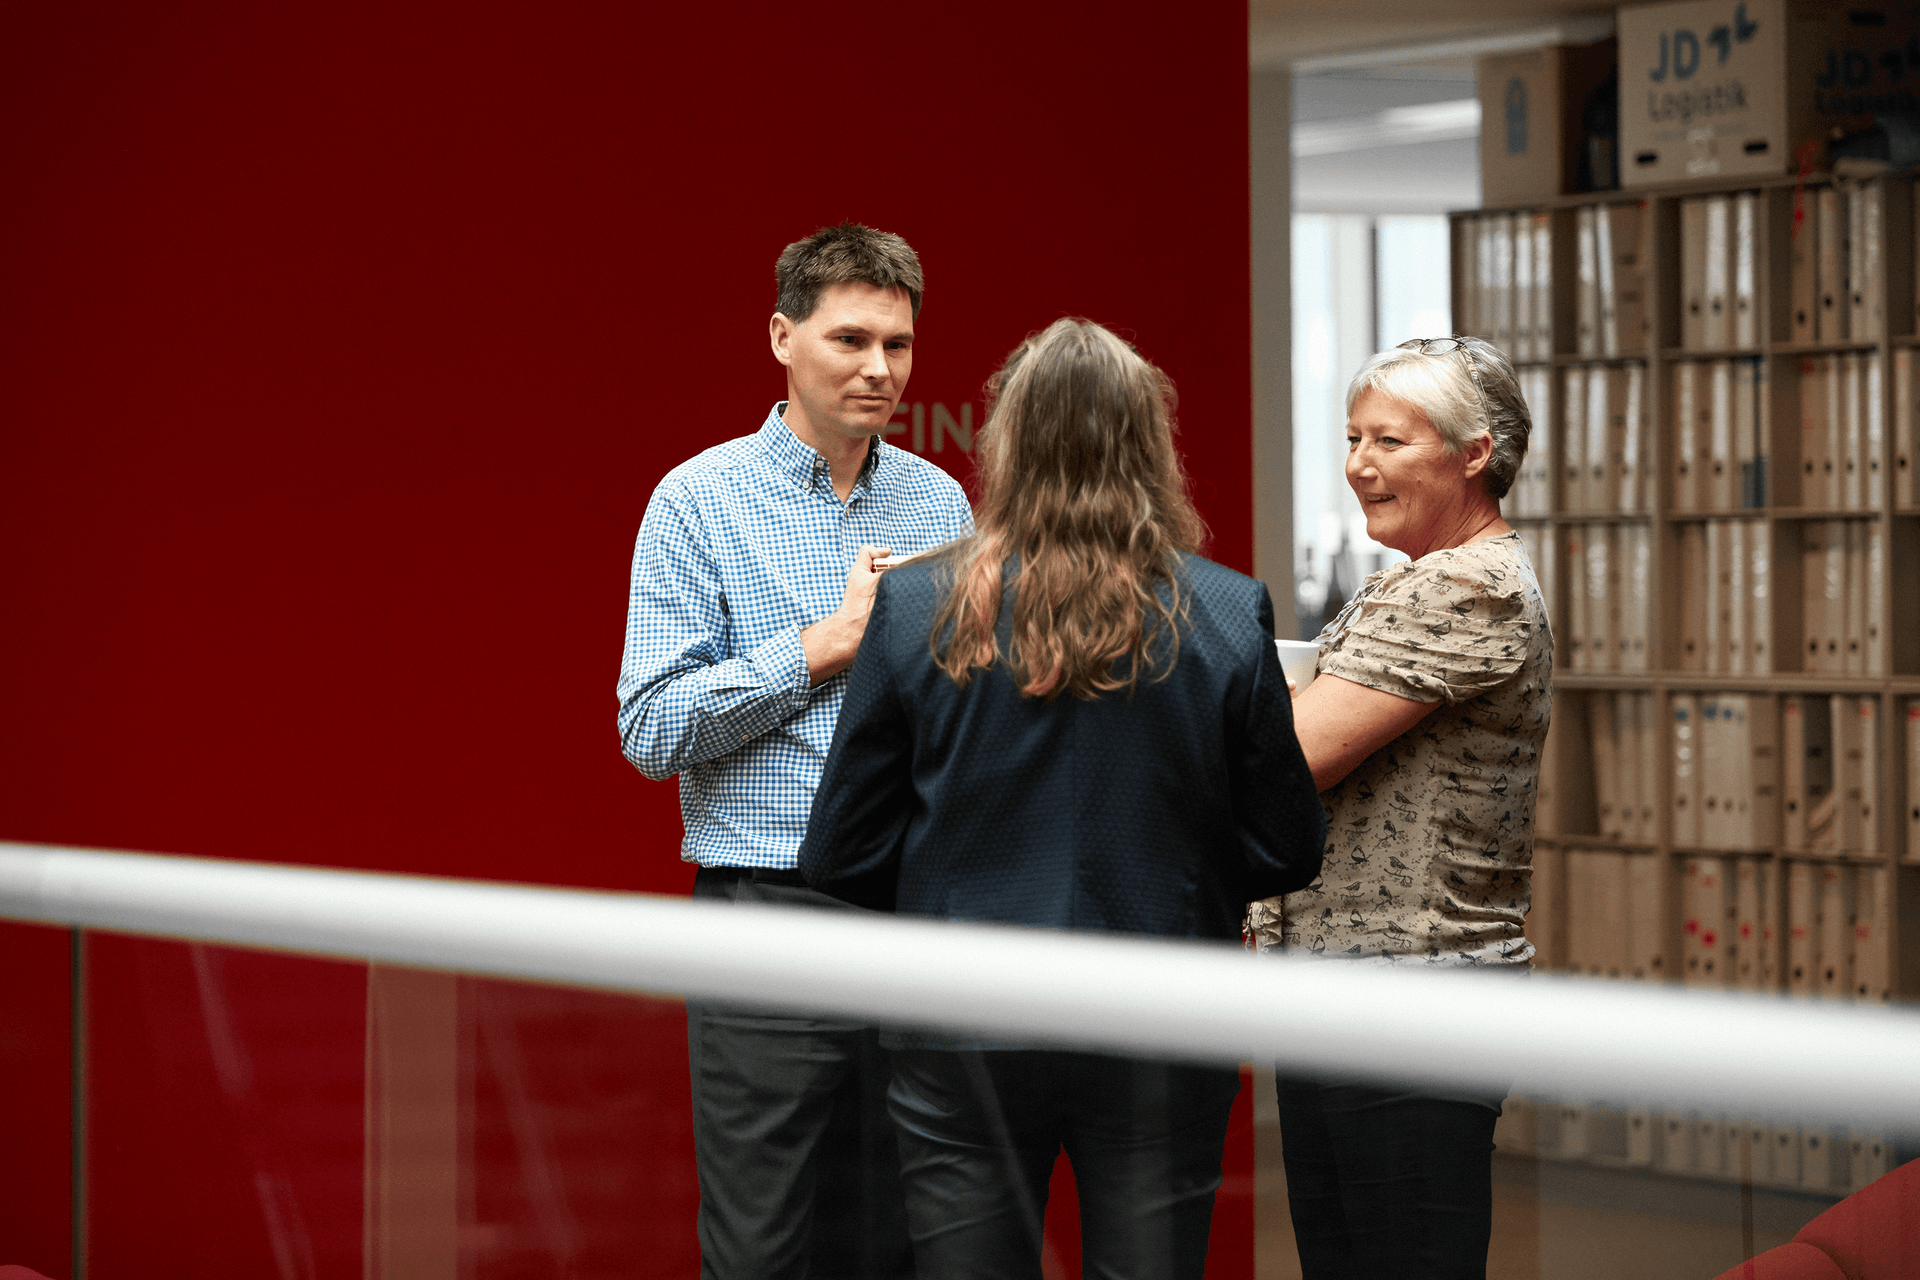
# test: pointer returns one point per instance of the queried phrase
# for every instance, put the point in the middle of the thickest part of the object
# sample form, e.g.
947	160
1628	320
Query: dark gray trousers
979	1133
799	1168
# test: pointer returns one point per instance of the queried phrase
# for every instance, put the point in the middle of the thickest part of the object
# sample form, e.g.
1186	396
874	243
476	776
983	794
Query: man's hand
831	642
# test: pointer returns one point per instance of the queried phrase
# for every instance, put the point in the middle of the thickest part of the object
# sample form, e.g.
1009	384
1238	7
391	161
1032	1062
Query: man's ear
1478	453
780	332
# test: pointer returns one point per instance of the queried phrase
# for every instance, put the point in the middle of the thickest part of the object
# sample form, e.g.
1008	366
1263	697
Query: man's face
847	363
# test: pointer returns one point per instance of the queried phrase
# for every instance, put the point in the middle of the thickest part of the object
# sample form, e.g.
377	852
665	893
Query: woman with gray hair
1423	729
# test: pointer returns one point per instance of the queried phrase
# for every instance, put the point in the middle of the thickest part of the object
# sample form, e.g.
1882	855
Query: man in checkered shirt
752	578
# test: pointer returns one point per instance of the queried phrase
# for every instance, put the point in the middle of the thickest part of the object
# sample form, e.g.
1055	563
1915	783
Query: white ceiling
1385	120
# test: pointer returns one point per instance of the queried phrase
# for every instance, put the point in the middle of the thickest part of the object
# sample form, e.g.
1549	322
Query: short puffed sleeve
1445	628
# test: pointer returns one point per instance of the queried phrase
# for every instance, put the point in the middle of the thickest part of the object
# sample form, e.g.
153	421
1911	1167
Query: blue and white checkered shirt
741	548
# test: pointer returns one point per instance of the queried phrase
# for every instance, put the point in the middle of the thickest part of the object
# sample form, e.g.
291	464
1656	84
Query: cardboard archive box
1727	87
1531	128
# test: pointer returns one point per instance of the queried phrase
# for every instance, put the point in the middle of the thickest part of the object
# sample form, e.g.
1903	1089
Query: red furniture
1874	1234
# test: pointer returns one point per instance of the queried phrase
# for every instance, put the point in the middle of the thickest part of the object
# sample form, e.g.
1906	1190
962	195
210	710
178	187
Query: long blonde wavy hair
1081	486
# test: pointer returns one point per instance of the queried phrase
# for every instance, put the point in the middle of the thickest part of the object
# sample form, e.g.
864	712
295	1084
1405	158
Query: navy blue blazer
1164	812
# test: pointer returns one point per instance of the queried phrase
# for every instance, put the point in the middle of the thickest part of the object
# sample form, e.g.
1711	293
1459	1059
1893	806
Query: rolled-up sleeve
1433	634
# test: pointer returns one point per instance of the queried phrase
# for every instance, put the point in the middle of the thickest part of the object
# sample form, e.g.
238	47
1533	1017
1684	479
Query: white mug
1300	659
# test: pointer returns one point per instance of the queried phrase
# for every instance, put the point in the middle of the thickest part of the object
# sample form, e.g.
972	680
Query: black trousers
799	1169
979	1133
1387	1183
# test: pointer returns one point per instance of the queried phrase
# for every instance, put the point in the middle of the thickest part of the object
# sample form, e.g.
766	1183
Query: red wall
343	346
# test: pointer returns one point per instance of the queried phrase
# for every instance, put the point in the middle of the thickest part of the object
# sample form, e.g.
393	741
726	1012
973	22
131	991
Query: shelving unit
1667	924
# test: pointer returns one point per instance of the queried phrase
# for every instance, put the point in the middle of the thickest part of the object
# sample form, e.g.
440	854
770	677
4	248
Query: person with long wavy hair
1069	720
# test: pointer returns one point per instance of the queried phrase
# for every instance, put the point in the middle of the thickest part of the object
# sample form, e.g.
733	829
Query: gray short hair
1465	394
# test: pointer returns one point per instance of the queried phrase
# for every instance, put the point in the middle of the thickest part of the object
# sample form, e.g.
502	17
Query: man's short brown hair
846	254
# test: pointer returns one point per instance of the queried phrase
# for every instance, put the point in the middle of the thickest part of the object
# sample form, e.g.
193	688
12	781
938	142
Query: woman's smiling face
1416	495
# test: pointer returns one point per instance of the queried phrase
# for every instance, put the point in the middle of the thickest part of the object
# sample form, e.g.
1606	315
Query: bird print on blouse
1430	839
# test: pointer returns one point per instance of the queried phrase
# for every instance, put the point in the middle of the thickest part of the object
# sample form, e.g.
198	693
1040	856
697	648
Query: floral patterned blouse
1430	839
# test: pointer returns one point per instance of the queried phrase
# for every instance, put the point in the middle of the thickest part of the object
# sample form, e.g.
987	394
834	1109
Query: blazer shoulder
1213	580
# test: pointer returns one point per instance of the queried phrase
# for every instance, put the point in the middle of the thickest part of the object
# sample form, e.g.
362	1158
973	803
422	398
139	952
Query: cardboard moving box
1716	88
1531	129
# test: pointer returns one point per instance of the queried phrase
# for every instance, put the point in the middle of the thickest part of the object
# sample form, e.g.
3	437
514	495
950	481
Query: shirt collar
803	464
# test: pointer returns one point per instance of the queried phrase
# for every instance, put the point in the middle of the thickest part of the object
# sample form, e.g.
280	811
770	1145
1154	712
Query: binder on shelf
1873	935
1735	601
1717	761
1674	1150
1604	445
1823	595
1694	572
1867	774
1627	392
1581	942
1913	780
1587	285
1759	600
1636	550
1719	602
1803	273
1499	277
1541	236
1852	465
1830	232
1870	1158
1772	922
1833	415
1816	1161
1866	296
1757	730
1855	602
1578	633
1793	773
1624	319
1573	447
1640	1128
1755	371
1704	912
1873	444
1816	462
1646	932
1873	261
1607	789
1716	291
1849	782
1647	756
1467	242
1875	597
1603	600
1855	291
1746	458
1743	941
1836	932
1903	460
1784	1164
1803	929
1685	712
1710	1144
1722	478
1693	274
1611	927
1521	232
1746	253
1686	442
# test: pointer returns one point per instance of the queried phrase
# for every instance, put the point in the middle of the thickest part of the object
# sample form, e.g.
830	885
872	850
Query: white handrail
1748	1055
